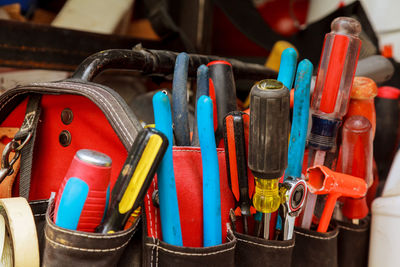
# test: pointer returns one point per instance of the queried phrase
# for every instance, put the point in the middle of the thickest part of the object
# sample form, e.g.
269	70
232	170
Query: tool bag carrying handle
160	62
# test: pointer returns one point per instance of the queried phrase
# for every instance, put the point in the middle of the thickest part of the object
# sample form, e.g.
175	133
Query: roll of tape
18	237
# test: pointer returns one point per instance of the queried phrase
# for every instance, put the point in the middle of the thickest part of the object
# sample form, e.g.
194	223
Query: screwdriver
134	179
268	144
235	155
221	75
331	95
356	160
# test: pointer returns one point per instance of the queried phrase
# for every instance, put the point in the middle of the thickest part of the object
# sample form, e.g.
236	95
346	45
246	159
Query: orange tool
362	97
322	181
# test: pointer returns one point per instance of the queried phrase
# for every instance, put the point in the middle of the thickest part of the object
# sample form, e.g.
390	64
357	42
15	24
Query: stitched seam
86	249
9	98
318	237
38	201
192	254
150	218
353	230
152	253
263	245
155	214
158	243
91	236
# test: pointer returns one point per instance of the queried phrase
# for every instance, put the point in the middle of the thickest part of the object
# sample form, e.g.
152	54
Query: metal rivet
67	116
65	138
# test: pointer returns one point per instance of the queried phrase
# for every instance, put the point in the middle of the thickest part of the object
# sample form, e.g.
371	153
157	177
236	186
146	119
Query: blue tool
179	100
287	67
169	209
212	230
301	109
71	204
202	89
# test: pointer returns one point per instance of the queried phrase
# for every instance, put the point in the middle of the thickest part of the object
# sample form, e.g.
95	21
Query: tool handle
327	213
169	209
287	68
202	89
235	155
269	129
179	100
221	74
301	109
212	230
134	179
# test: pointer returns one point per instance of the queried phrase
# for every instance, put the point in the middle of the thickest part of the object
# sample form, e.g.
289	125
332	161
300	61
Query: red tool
356	160
322	181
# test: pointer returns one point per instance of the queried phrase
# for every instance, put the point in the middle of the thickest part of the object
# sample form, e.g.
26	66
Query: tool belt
51	121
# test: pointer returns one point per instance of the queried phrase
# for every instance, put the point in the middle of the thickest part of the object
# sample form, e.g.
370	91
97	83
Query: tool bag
54	120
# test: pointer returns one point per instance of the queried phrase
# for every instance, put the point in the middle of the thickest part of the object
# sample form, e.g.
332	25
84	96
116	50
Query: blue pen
212	231
179	100
287	67
301	109
169	209
202	89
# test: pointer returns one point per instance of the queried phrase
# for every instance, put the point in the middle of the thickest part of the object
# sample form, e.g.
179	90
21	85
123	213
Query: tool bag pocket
353	243
316	249
188	181
255	251
75	248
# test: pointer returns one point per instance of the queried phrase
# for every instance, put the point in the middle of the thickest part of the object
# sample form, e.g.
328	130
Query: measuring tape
18	239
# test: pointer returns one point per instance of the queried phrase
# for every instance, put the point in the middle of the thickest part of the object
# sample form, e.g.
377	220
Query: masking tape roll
18	236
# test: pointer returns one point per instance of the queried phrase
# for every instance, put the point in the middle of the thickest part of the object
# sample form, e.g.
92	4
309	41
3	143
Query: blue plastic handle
287	67
179	100
301	111
169	209
71	204
212	231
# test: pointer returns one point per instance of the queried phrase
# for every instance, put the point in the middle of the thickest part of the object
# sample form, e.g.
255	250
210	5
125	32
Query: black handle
160	62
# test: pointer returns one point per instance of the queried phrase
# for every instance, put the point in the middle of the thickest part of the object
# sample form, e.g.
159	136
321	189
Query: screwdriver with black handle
268	144
236	165
134	179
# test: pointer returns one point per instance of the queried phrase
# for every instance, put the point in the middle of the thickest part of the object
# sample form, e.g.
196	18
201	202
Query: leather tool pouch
56	136
316	249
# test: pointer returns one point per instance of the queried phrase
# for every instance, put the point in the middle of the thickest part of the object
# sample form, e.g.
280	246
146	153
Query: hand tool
134	179
268	144
236	163
179	100
362	97
202	89
212	231
301	109
81	199
169	209
293	192
222	78
356	160
331	94
322	180
387	126
376	67
287	68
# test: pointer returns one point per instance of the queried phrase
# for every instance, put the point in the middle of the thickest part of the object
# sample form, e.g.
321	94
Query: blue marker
179	100
212	230
301	110
169	209
202	89
287	67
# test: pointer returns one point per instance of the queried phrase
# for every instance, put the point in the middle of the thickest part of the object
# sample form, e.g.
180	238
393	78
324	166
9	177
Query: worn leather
315	249
353	243
254	251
